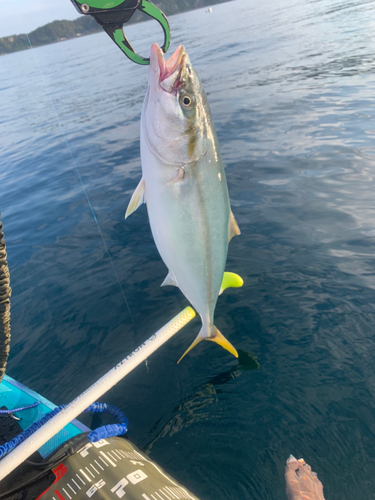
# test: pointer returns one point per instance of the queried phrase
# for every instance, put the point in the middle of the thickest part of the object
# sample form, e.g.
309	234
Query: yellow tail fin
218	338
196	341
221	340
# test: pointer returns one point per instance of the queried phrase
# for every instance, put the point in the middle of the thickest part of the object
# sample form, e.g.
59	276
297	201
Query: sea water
291	86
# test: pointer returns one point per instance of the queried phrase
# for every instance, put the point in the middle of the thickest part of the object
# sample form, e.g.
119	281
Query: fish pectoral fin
233	229
196	341
139	197
170	280
180	175
221	340
230	280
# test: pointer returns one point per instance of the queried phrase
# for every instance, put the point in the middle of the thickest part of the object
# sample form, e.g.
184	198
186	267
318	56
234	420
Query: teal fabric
14	395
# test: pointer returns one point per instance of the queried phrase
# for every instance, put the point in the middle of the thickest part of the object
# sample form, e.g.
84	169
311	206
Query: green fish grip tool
113	14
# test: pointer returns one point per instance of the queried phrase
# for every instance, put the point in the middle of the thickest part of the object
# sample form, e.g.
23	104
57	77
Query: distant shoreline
59	31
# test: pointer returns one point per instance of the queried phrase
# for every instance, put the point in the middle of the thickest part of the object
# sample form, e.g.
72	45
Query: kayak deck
13	394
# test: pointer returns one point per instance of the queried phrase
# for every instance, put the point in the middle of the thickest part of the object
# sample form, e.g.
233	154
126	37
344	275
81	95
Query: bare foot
301	482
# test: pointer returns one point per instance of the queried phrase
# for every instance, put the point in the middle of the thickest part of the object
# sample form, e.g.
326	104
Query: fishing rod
102	385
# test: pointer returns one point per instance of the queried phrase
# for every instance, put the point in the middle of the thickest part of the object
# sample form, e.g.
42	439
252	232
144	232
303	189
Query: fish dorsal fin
139	197
233	229
170	280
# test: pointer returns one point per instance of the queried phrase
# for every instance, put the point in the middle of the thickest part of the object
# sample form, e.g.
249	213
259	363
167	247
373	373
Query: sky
23	16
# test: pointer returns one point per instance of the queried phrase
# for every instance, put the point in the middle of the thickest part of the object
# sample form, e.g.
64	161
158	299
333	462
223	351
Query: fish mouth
171	74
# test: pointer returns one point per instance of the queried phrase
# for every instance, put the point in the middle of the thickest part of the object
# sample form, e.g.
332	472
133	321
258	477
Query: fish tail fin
219	338
216	336
196	341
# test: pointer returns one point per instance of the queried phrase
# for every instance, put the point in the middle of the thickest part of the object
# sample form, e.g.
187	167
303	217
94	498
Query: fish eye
186	100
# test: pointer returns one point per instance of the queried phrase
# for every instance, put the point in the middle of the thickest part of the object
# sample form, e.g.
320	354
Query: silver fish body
184	186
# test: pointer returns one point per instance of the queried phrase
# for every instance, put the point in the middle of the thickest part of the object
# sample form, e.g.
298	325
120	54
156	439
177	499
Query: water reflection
291	90
193	408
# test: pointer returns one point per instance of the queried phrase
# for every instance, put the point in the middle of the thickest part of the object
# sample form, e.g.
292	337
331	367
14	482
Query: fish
184	186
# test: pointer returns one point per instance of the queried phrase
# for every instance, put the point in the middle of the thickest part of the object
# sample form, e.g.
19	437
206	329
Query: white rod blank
100	387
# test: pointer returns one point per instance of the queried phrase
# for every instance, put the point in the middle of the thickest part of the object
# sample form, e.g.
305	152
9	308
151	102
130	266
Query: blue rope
10	445
110	430
103	432
15	410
